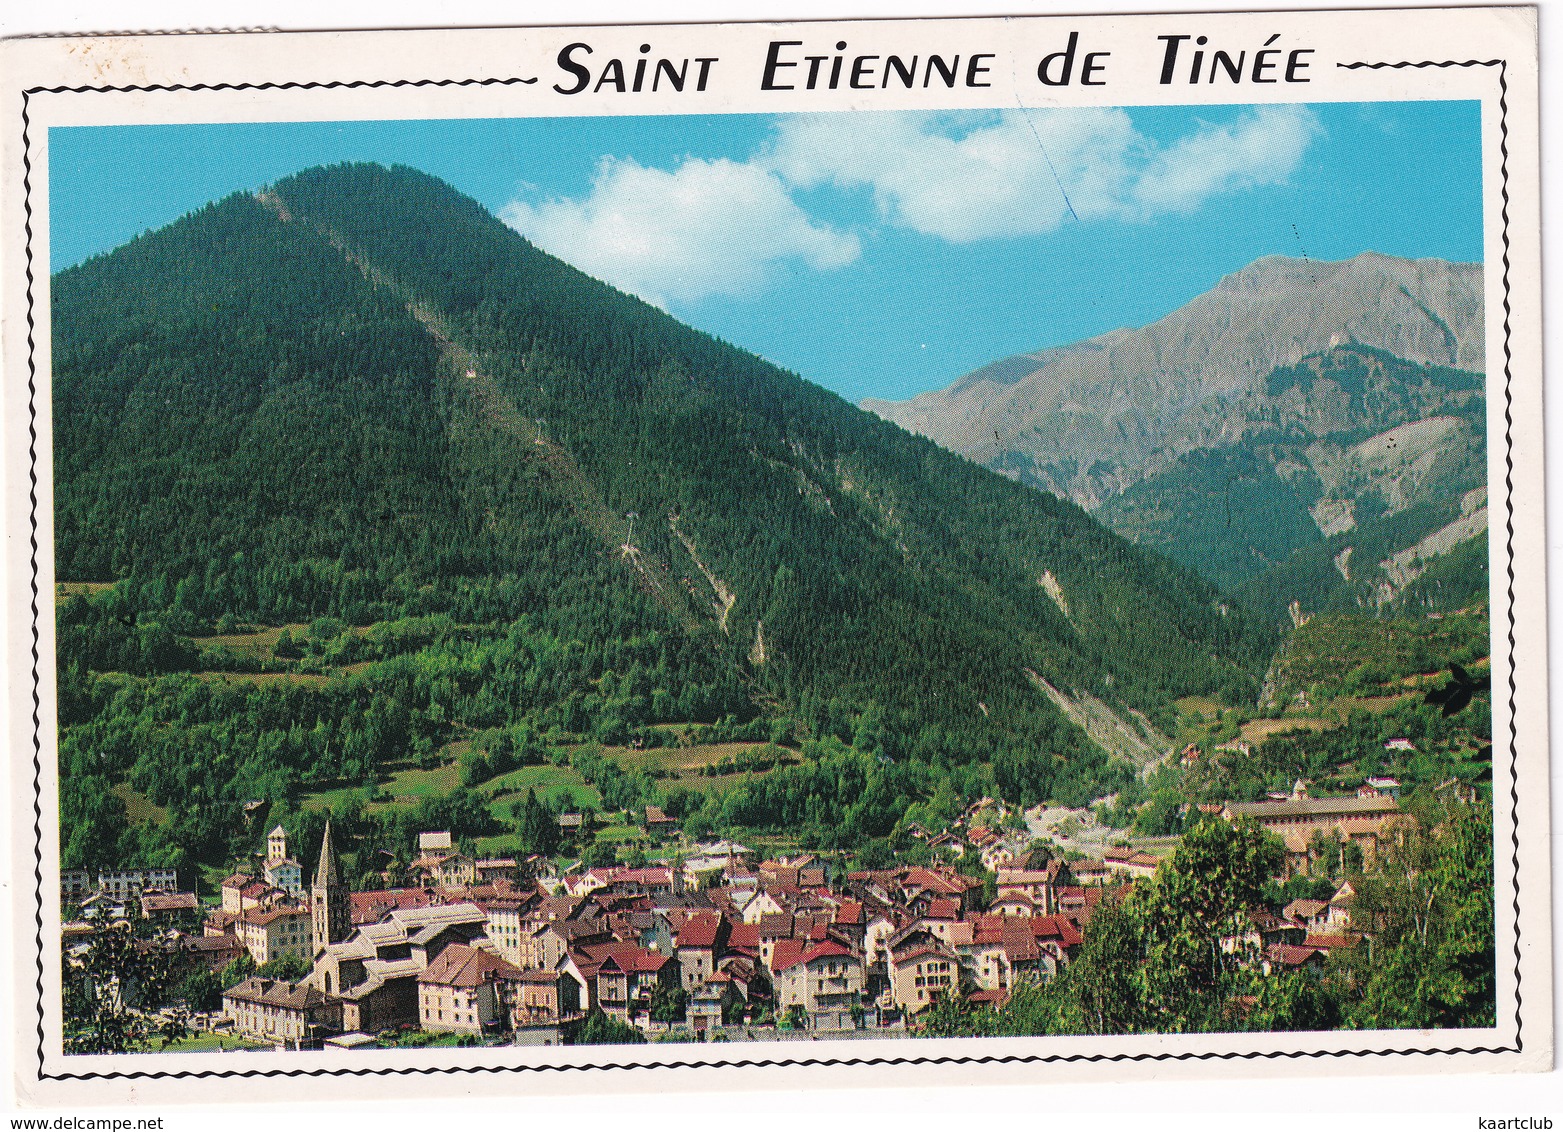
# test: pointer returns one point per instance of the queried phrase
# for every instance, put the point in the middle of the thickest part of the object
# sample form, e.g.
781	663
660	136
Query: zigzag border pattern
747	1063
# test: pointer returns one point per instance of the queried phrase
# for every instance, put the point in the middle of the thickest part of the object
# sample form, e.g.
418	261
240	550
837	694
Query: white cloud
724	227
1262	148
1007	174
988	181
705	228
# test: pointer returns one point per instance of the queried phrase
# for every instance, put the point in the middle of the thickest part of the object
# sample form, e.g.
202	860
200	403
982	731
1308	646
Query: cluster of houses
709	943
1301	937
980	830
113	889
709	939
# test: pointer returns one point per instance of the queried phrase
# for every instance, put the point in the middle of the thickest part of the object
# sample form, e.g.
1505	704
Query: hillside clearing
66	590
260	643
138	807
1258	730
265	679
678	760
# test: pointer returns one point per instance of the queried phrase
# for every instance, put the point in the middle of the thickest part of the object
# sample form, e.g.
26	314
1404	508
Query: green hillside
494	497
1350	450
1313	580
1223	512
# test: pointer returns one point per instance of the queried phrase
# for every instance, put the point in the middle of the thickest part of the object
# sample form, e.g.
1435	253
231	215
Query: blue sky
879	254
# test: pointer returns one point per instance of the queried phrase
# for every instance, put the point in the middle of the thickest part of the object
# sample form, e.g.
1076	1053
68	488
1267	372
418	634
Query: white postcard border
1522	1039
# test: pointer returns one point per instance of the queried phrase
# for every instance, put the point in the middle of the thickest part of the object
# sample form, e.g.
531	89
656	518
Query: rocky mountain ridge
1089	420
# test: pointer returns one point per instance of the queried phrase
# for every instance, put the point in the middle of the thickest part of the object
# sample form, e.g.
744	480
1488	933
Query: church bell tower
328	898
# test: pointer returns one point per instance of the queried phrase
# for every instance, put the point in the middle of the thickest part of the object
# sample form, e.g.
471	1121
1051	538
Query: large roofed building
1298	813
375	970
464	991
288	1015
1296	820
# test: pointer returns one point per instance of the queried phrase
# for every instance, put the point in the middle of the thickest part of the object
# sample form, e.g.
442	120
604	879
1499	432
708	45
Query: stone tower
328	900
277	844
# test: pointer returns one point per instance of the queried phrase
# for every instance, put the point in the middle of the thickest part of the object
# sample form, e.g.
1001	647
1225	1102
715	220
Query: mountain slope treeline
1304	432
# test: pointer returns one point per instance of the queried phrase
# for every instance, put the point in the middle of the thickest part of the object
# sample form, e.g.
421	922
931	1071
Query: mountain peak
1274	273
1088	419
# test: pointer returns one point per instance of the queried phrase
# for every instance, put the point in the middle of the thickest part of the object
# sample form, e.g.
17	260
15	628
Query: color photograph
475	626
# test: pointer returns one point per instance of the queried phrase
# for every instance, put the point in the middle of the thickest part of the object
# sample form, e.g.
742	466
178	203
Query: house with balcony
620	978
825	979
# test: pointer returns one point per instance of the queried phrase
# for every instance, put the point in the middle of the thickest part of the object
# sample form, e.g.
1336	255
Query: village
707	943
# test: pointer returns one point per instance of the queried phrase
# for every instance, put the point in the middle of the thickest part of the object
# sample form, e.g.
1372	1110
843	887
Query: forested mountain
529	501
1365	489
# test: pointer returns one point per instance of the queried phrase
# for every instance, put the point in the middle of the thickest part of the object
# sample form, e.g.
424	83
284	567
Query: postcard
688	556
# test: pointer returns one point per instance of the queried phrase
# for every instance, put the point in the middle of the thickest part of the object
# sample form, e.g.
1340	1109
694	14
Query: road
1087	836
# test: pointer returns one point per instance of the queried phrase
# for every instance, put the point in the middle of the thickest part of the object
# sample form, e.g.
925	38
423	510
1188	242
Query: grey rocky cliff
1090	419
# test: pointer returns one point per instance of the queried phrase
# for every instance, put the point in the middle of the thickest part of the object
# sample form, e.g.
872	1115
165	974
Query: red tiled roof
223	944
829	949
787	952
462	966
276	993
1020	946
700	931
371	907
649	876
1289	955
634	958
988	928
950	884
264	916
237	880
627	957
775	925
168	902
746	936
1325	942
849	912
1060	928
811	925
930	948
